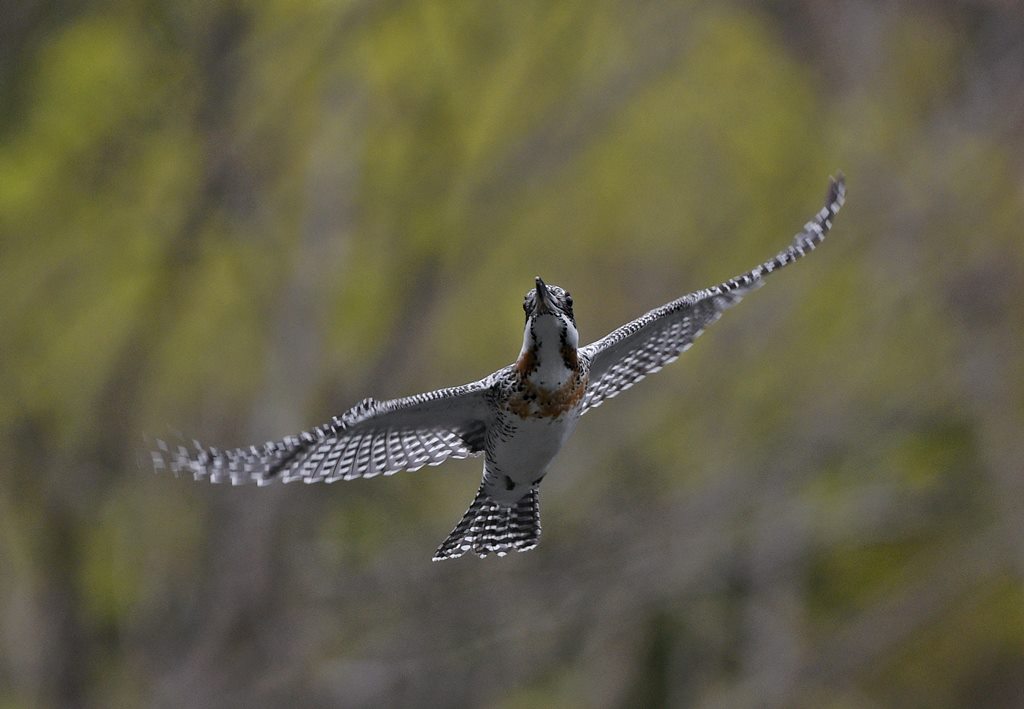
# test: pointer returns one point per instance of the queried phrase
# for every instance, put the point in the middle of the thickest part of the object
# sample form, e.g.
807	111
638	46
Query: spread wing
371	438
641	347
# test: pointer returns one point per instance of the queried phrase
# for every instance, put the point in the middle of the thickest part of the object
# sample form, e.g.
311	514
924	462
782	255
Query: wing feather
372	438
641	347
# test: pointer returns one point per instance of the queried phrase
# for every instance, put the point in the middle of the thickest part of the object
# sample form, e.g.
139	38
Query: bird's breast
531	400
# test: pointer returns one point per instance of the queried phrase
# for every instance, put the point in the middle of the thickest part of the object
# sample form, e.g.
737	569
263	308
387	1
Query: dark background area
236	219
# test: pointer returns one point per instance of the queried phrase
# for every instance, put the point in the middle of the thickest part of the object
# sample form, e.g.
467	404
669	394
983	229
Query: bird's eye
568	300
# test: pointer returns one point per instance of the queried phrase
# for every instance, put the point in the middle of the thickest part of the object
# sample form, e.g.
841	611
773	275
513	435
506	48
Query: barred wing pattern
372	438
641	347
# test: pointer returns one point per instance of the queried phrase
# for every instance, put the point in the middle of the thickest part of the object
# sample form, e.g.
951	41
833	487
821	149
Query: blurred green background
236	219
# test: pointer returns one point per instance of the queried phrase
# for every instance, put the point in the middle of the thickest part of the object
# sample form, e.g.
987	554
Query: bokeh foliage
237	218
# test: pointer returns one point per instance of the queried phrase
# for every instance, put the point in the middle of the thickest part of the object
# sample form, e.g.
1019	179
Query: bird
518	418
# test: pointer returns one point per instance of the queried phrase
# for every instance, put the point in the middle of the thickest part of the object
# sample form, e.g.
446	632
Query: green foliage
238	218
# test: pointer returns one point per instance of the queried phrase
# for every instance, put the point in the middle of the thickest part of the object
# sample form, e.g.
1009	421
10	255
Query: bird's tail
492	528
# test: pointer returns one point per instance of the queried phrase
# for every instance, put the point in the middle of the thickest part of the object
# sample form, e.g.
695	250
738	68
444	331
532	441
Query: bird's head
553	301
550	330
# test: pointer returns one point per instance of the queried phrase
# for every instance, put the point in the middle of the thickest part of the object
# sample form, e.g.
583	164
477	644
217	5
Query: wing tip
836	189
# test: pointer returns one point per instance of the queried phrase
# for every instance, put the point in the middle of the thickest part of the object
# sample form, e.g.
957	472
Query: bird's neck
549	359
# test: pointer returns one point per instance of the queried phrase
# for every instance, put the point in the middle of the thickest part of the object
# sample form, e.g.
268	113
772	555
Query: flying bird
517	418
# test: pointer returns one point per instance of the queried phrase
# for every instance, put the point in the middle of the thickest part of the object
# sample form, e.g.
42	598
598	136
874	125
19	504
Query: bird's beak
543	297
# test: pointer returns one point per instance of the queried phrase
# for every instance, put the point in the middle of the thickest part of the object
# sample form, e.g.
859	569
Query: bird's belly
519	460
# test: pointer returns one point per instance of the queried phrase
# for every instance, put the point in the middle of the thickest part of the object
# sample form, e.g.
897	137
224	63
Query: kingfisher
517	418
